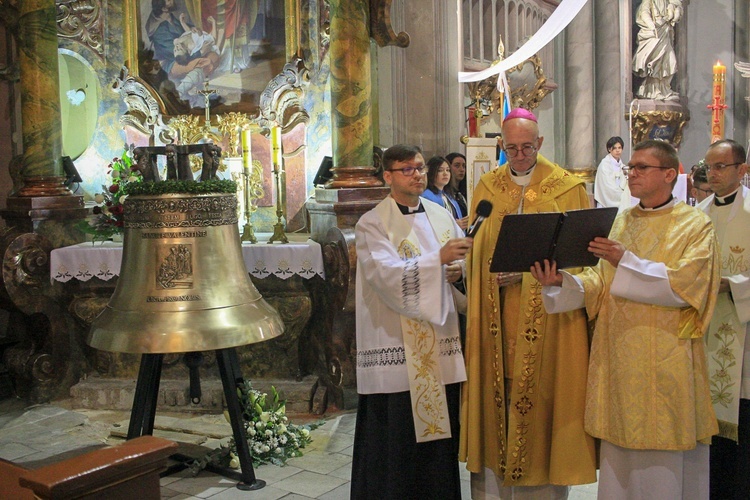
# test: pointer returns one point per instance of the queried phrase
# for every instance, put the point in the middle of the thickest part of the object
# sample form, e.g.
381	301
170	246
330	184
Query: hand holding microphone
457	248
484	209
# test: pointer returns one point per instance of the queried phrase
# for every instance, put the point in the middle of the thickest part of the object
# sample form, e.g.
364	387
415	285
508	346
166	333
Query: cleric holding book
652	294
522	405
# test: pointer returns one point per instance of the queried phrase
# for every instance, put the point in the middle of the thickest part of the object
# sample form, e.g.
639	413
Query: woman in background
456	188
438	178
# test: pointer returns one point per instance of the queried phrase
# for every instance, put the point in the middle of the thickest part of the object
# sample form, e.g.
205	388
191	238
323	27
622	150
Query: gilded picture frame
187	51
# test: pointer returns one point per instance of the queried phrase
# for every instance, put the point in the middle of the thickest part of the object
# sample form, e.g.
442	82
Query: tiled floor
40	434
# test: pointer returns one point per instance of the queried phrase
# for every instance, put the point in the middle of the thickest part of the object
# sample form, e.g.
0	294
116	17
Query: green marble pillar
40	94
351	89
43	204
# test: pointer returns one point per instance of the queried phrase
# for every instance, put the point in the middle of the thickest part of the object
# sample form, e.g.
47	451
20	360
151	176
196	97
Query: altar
101	259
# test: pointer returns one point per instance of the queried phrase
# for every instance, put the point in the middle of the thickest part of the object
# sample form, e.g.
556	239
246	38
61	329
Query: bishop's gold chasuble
530	430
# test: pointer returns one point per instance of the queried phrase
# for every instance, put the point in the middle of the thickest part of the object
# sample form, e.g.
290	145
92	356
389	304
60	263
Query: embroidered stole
428	401
726	334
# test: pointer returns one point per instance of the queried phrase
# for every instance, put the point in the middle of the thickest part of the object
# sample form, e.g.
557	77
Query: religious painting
193	51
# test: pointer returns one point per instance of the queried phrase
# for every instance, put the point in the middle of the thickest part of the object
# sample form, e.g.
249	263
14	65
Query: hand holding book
609	250
546	273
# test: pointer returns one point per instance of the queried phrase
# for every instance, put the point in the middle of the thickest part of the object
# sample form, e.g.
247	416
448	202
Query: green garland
181	187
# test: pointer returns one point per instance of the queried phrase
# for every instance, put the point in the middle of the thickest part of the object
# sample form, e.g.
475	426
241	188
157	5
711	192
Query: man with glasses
728	349
522	410
652	294
409	359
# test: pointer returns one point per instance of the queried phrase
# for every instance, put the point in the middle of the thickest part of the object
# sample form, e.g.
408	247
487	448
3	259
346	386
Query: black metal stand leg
146	395
229	367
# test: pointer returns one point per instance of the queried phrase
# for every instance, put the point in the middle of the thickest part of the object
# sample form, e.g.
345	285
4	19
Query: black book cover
562	237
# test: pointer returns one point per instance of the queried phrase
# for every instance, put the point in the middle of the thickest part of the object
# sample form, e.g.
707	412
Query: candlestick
247	165
718	105
280	179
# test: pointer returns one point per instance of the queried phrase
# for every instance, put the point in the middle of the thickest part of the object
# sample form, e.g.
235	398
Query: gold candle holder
279	181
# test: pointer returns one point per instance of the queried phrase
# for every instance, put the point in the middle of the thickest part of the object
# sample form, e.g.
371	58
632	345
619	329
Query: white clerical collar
407	210
669	204
726	200
522	178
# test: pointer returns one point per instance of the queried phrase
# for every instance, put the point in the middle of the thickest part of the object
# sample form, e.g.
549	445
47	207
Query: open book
562	237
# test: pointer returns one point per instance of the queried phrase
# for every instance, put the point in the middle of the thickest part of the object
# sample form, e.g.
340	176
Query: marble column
351	88
610	115
579	91
40	92
42	204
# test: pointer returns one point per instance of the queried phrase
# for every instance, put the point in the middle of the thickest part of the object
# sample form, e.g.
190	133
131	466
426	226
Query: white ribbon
558	21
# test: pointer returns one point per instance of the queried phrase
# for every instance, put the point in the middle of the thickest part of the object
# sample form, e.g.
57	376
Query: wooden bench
127	471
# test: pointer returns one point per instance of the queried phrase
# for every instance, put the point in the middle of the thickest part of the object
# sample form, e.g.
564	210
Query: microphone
484	209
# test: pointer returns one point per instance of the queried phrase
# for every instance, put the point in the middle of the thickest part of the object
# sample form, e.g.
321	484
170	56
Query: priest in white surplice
409	358
728	349
652	294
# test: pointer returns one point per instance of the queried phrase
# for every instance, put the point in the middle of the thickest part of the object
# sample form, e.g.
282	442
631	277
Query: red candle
718	105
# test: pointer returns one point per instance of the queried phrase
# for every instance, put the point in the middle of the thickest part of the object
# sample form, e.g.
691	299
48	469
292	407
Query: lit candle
717	105
247	159
276	144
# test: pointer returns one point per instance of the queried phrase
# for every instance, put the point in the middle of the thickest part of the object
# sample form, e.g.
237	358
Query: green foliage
107	219
181	187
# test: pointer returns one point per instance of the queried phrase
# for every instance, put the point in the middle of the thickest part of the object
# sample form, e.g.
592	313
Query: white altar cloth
301	256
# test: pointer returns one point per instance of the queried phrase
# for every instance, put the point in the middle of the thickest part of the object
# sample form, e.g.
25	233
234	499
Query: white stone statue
655	59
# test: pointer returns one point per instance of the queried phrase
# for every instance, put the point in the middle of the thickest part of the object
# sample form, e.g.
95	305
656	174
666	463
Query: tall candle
247	158
717	102
276	144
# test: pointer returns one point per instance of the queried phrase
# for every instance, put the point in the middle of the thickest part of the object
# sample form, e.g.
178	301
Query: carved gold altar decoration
528	87
230	125
664	125
82	21
185	285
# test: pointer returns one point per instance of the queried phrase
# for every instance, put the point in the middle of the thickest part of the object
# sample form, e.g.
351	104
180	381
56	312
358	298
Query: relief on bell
175	266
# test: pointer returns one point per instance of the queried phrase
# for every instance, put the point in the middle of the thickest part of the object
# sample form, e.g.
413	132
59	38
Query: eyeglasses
719	167
707	191
527	150
641	169
408	171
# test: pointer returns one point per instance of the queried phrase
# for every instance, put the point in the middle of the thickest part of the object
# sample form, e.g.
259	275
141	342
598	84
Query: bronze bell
183	284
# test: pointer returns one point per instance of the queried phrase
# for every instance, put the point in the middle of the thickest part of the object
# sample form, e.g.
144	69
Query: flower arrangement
272	439
108	213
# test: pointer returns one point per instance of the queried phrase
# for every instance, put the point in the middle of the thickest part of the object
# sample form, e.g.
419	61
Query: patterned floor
35	436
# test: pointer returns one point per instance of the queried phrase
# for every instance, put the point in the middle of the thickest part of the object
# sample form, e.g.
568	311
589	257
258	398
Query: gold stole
429	405
726	335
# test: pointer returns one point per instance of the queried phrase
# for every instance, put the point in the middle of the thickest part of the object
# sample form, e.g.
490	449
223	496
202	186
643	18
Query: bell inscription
196	211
